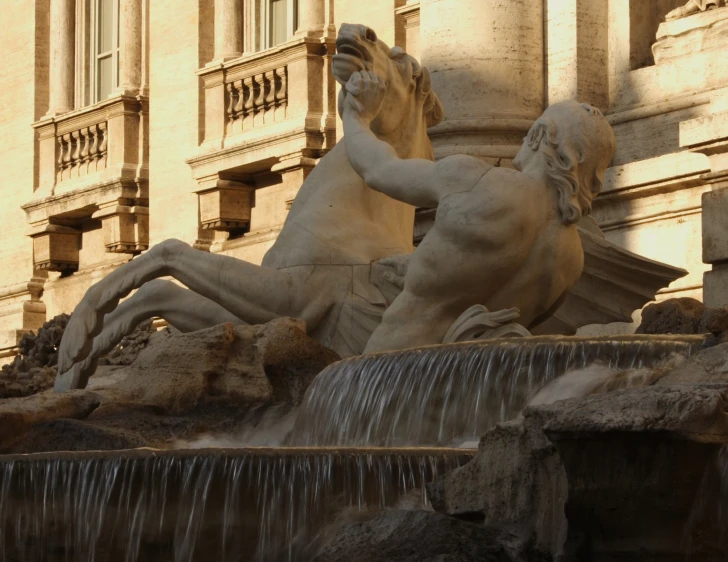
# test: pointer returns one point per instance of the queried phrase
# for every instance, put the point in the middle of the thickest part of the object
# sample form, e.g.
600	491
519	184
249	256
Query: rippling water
215	505
444	395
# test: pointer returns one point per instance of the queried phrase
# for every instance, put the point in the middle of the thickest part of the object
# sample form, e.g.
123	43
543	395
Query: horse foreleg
252	293
185	310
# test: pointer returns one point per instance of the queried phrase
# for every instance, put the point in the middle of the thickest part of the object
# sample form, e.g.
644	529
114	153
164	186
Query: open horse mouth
350	57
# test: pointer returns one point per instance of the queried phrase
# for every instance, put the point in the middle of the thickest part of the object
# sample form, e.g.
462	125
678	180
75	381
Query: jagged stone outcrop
708	366
33	369
416	536
244	365
615	476
223	379
683	316
131	345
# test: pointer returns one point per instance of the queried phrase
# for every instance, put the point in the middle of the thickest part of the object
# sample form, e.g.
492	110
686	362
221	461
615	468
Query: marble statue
693	7
343	255
502	238
319	267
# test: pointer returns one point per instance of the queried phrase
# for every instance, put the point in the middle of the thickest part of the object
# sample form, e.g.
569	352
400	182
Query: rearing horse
319	267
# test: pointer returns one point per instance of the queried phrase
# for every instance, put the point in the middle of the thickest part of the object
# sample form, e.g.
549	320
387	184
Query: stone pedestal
697	33
488	69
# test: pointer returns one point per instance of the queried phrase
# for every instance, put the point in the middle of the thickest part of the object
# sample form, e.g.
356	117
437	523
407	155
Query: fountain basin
444	395
139	505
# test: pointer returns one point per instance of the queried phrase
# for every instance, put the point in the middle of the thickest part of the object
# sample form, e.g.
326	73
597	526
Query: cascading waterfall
445	395
243	504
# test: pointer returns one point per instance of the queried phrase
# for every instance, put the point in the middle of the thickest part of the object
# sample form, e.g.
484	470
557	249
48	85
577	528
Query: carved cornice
83	201
262	61
120	104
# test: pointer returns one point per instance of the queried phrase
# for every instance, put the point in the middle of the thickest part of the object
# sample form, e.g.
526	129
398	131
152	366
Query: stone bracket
56	248
225	206
126	228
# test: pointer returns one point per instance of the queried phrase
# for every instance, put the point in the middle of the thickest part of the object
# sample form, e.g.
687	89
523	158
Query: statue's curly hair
564	155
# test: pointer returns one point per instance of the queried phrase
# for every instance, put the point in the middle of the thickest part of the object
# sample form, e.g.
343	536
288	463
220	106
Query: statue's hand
365	94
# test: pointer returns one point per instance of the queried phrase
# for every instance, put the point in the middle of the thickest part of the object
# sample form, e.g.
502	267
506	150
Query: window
279	21
105	48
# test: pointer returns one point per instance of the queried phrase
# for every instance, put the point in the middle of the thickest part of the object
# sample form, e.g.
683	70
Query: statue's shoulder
461	172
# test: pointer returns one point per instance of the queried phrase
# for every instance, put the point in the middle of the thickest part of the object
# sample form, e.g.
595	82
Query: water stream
446	395
244	504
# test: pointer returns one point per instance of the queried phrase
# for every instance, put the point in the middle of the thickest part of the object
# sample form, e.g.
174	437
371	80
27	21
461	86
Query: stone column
62	59
130	46
311	17
228	29
487	63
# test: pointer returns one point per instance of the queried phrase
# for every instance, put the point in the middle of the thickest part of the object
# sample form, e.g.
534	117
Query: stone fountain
441	345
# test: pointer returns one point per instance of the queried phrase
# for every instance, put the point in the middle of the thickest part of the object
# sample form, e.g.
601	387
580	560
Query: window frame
95	56
267	22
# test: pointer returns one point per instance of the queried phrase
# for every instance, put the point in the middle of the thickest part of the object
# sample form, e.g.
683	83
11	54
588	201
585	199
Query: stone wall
24	98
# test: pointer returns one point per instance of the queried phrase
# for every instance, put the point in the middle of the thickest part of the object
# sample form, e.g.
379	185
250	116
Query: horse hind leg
185	310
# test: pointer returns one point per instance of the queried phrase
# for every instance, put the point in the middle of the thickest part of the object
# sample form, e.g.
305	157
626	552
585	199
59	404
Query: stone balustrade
92	166
82	151
264	94
261	138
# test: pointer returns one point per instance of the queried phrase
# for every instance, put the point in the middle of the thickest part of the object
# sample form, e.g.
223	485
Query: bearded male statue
502	238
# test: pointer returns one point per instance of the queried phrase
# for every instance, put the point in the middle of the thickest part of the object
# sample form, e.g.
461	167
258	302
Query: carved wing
614	284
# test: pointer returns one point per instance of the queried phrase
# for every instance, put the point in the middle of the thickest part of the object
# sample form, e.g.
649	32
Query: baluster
102	146
230	110
240	99
270	81
260	93
67	156
249	88
76	156
85	137
281	87
59	163
93	151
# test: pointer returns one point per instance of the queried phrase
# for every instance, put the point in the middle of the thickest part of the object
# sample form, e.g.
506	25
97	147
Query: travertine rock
33	369
515	482
708	366
630	474
225	379
17	415
244	365
415	536
683	316
129	348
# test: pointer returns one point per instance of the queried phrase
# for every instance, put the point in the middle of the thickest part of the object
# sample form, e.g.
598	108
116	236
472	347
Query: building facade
127	122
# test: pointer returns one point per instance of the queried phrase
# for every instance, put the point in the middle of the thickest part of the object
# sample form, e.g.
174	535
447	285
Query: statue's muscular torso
500	244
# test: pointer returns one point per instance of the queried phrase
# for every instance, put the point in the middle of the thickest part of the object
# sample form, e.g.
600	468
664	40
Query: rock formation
222	379
34	368
630	474
683	316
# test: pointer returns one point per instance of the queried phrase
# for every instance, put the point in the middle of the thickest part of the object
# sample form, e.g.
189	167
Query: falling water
444	395
243	504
